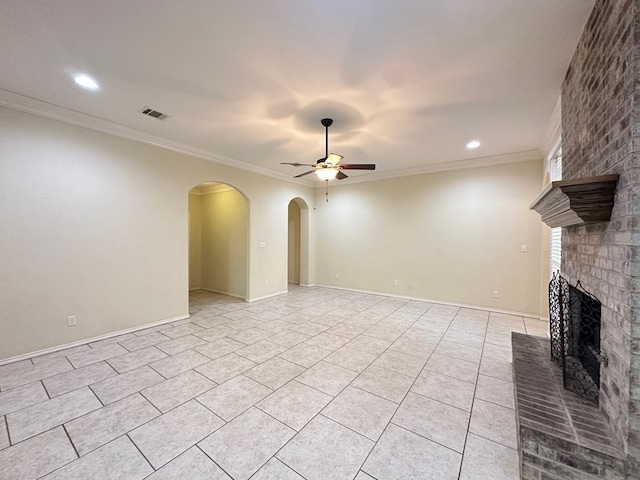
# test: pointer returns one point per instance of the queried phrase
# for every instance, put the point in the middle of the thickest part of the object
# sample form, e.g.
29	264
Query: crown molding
44	109
51	111
446	166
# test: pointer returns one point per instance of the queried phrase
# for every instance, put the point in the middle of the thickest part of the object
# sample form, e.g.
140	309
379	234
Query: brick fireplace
600	128
601	136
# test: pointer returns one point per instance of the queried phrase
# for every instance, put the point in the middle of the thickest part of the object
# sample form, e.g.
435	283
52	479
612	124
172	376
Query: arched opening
298	242
218	239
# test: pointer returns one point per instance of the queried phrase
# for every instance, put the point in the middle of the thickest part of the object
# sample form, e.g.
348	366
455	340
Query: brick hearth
562	436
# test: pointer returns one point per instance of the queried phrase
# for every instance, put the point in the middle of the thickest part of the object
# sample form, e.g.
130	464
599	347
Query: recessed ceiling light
86	81
473	144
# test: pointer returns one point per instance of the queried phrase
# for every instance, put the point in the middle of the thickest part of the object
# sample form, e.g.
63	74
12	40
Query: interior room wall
307	270
225	224
452	236
96	226
195	242
294	242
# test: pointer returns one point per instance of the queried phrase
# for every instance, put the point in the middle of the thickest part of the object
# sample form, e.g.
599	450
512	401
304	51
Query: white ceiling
246	82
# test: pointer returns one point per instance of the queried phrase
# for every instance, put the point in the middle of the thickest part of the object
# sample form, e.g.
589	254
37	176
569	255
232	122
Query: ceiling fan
329	167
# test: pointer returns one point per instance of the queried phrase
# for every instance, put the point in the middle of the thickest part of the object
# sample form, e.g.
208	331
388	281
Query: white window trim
554	167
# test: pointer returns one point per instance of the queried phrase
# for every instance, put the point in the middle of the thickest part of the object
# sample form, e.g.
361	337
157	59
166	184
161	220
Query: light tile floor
315	384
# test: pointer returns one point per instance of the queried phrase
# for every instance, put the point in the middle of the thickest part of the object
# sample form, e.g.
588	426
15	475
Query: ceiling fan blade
357	166
303	174
296	164
341	175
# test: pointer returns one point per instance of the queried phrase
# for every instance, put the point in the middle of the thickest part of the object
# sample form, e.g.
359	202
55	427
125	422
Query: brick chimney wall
601	135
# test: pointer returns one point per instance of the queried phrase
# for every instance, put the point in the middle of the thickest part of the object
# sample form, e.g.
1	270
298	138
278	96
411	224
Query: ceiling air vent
153	113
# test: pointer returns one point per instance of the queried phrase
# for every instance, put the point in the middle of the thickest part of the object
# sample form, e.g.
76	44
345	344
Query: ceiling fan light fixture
326	173
333	158
327	168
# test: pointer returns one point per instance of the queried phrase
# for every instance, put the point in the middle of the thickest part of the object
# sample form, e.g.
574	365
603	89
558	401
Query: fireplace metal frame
574	327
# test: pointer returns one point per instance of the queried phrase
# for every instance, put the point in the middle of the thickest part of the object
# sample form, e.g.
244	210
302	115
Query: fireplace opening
574	322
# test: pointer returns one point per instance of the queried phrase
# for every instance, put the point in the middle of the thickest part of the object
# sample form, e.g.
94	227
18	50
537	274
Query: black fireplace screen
574	316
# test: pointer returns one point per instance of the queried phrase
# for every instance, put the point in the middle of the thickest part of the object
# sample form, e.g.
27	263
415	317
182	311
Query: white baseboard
441	302
45	351
191	289
228	294
267	296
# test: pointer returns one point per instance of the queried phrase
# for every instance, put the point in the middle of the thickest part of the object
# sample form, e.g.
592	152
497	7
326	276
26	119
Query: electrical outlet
410	285
266	283
71	321
495	294
337	276
523	248
396	283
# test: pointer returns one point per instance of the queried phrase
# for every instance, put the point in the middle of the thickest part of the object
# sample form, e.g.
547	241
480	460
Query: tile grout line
494	441
407	393
140	451
348	340
6	424
205	454
45	387
285	444
64	427
473	400
316	415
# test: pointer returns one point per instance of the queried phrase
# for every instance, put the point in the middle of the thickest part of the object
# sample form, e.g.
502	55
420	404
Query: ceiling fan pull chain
326	192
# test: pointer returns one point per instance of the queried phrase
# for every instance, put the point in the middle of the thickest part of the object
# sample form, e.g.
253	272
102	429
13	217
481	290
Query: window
556	248
555	173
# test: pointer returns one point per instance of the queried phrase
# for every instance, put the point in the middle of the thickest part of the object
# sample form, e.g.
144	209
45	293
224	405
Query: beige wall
225	223
195	242
97	226
294	242
453	236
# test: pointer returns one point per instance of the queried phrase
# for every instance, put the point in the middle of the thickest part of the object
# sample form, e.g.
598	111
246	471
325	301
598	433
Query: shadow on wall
218	239
298	242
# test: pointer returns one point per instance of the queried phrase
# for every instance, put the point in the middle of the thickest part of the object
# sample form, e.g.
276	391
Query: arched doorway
218	239
298	242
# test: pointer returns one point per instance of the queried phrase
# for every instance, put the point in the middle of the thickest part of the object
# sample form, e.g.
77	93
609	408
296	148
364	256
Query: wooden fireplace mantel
568	203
